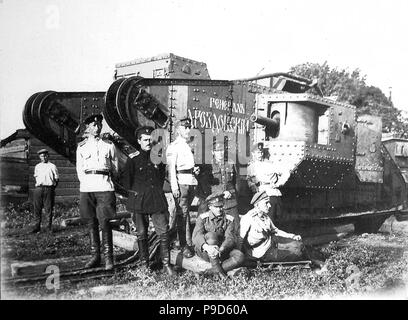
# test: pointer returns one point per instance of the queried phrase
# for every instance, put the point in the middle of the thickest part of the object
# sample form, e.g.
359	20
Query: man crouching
215	238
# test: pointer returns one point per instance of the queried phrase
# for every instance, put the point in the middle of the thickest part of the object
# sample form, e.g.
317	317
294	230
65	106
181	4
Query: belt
185	171
41	186
264	183
105	173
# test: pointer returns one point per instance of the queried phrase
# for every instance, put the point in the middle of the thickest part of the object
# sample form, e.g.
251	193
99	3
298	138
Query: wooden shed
18	157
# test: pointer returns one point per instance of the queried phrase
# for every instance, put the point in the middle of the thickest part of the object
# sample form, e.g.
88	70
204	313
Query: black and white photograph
204	155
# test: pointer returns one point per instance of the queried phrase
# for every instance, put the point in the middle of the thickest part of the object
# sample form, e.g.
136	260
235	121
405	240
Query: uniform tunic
258	230
266	176
146	180
97	196
180	158
215	178
222	225
96	154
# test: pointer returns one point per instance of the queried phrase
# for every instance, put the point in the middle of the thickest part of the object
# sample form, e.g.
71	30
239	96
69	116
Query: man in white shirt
97	164
46	180
182	171
263	175
259	235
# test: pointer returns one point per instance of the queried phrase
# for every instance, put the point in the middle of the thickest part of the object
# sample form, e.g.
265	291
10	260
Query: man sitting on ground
215	238
259	235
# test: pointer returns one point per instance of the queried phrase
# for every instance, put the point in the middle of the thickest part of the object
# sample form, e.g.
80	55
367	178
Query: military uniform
268	177
180	160
96	164
258	234
220	231
46	179
215	178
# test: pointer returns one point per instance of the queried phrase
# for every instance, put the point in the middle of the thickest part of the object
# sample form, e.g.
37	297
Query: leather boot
216	269
165	255
108	247
181	233
144	252
95	248
233	262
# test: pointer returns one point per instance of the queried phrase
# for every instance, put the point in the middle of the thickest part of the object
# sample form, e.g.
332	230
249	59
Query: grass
360	265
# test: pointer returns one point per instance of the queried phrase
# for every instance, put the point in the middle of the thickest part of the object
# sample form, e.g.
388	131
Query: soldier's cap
257	146
259	196
185	122
93	118
143	130
215	199
42	151
218	146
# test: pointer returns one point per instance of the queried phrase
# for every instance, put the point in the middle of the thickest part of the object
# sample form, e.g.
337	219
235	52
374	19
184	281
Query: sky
74	45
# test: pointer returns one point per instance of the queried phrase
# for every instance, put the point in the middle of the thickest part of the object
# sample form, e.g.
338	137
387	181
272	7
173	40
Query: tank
340	170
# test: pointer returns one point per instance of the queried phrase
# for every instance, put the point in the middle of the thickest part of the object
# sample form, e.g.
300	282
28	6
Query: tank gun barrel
268	122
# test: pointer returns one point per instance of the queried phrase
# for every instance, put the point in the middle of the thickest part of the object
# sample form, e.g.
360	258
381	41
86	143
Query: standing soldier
182	170
219	177
215	237
46	180
144	181
97	165
269	177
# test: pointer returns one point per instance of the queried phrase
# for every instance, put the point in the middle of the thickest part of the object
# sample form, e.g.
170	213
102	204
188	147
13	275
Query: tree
350	87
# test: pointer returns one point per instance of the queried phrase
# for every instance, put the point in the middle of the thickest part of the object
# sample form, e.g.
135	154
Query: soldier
263	175
182	171
215	237
46	180
97	165
144	180
221	177
259	235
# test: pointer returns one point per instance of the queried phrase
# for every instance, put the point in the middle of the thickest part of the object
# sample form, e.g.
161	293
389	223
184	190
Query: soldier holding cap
259	235
264	175
215	237
182	171
144	180
46	180
97	164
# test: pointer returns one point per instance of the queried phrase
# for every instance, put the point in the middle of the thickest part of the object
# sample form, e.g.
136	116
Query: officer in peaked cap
259	235
146	130
185	122
144	181
97	165
268	176
215	237
259	196
182	175
93	118
218	176
46	180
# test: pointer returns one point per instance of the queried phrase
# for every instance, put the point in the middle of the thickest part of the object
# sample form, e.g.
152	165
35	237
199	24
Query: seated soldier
215	238
259	235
